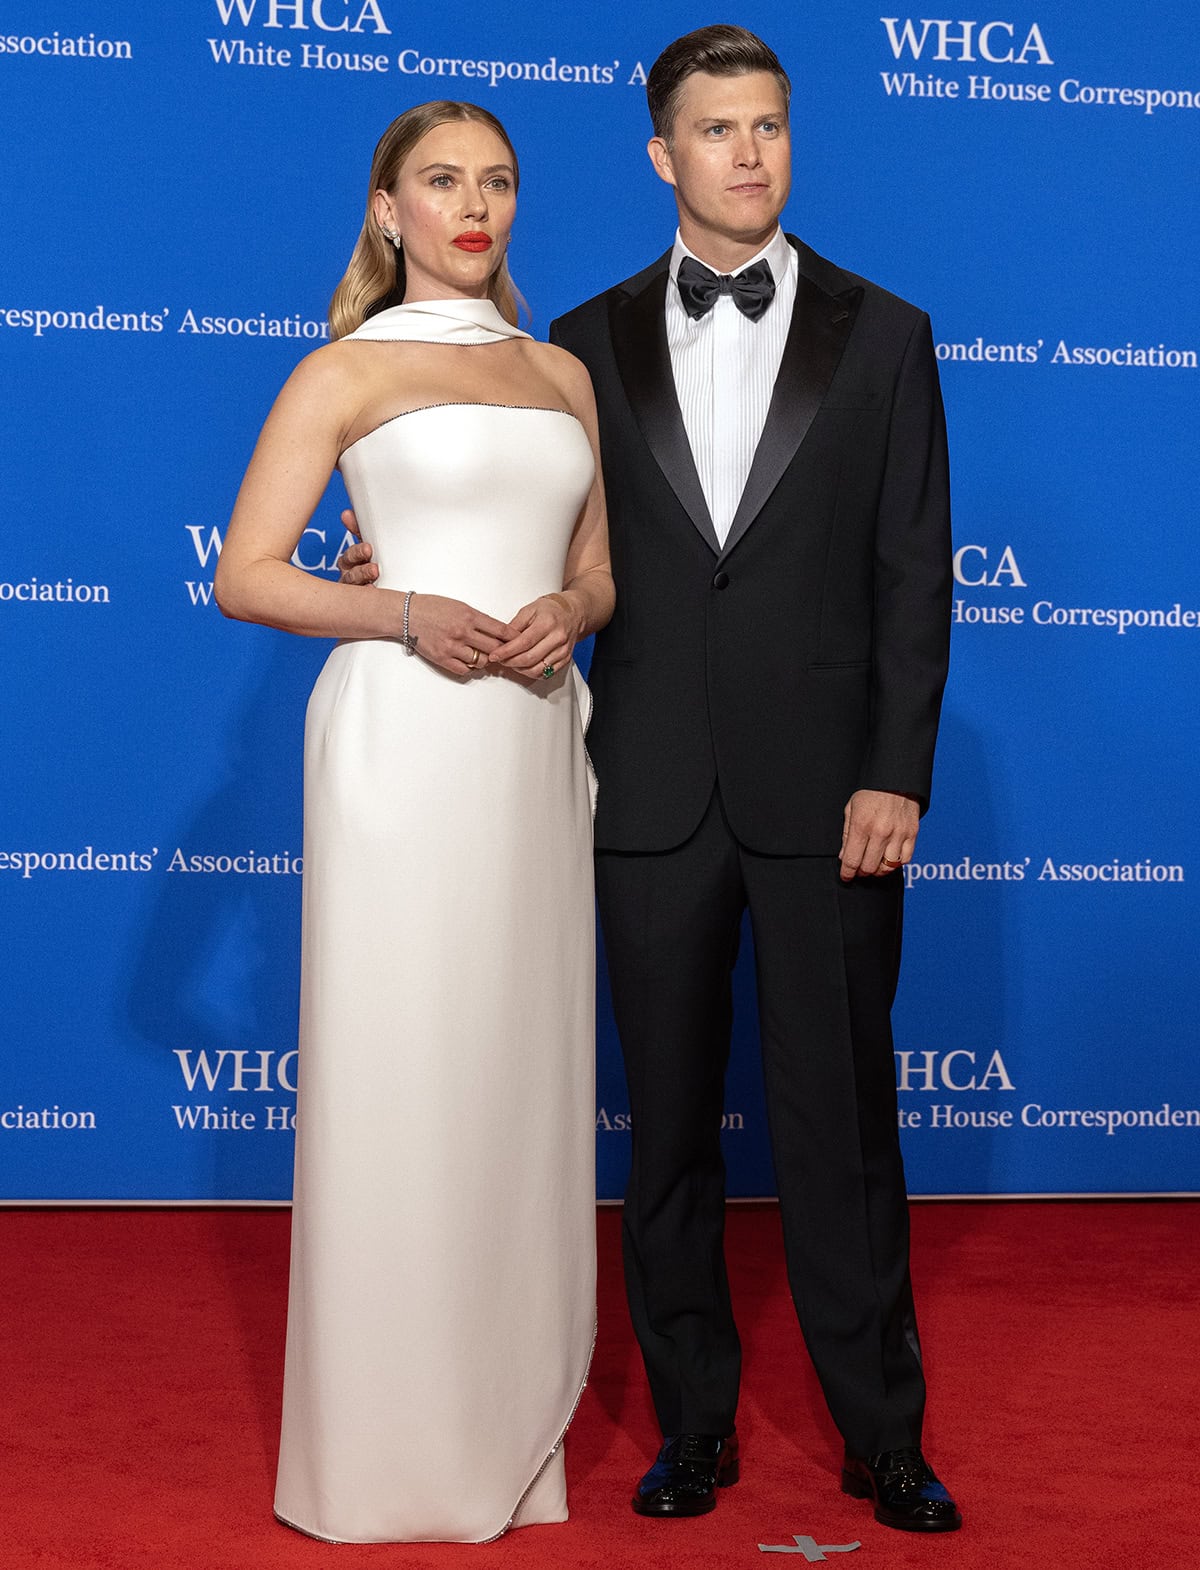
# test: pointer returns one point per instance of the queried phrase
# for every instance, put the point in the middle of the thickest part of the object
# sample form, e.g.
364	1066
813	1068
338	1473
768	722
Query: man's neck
721	252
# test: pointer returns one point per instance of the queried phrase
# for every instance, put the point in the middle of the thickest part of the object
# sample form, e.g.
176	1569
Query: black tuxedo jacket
805	659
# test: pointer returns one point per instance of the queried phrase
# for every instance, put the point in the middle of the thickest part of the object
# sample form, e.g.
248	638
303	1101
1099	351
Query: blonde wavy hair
375	278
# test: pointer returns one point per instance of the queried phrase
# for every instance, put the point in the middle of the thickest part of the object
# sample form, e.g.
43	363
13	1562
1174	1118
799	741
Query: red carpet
143	1354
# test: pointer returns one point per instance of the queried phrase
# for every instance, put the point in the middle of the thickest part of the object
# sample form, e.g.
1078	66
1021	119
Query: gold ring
888	863
474	661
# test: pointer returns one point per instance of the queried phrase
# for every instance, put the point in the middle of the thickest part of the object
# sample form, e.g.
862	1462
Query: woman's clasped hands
461	640
457	638
541	637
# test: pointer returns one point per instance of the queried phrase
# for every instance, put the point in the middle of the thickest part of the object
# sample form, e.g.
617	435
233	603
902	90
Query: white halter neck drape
438	321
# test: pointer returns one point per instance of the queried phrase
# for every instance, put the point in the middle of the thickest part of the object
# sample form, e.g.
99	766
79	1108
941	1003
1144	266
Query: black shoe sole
675	1511
857	1489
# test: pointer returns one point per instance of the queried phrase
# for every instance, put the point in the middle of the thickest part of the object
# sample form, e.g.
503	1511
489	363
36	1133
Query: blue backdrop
182	185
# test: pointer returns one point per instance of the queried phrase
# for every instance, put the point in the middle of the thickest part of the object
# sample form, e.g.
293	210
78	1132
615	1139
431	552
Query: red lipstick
473	240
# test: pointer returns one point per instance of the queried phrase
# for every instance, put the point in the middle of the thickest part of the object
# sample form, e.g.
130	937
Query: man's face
729	160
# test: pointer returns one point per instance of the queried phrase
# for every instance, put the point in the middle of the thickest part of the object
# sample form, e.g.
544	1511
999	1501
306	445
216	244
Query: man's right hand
355	564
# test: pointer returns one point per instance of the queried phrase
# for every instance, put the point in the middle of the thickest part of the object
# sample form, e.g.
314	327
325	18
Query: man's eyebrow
724	119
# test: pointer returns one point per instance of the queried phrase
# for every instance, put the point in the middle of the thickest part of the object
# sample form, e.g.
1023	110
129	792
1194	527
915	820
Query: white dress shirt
725	367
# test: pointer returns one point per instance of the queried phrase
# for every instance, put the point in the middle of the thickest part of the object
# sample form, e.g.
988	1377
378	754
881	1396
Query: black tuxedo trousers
826	957
744	690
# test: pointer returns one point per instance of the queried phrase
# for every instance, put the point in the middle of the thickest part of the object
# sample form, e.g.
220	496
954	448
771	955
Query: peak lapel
821	325
638	327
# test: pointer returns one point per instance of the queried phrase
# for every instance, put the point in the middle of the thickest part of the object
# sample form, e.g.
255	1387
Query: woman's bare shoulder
325	372
567	373
339	361
341	376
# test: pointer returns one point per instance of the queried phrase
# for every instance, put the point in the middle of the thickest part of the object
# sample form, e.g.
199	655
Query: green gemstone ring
547	672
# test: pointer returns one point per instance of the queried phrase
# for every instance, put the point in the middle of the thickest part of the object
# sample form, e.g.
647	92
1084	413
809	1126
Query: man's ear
660	157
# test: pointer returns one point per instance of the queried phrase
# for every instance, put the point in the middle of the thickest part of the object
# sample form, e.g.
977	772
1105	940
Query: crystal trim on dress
554	1449
455	403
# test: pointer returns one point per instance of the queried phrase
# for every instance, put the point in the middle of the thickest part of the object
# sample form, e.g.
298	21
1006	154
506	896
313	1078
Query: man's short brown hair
720	50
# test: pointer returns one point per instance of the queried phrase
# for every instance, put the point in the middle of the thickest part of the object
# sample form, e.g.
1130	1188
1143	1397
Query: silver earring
394	238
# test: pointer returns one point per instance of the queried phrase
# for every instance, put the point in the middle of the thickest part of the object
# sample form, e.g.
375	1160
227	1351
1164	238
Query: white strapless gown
441	1313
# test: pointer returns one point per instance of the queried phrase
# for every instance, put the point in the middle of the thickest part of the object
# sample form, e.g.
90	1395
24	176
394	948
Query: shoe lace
906	1467
691	1448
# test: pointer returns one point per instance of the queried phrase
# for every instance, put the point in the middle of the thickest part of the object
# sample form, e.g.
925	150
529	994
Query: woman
442	1302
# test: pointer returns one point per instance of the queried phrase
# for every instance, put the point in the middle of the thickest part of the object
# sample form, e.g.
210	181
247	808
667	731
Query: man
766	706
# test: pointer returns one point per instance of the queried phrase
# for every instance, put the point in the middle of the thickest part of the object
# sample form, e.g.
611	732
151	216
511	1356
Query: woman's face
453	206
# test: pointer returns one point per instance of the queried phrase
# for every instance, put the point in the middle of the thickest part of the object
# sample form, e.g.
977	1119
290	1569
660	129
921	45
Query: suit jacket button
721	581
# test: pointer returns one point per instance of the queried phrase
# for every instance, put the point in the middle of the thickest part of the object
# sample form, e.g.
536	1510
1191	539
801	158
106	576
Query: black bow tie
752	289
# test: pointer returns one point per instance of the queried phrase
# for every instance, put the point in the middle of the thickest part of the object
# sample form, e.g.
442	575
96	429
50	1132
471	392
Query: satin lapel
638	327
821	325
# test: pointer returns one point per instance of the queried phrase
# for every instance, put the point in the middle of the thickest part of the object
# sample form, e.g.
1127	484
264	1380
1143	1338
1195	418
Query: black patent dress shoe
904	1489
685	1478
